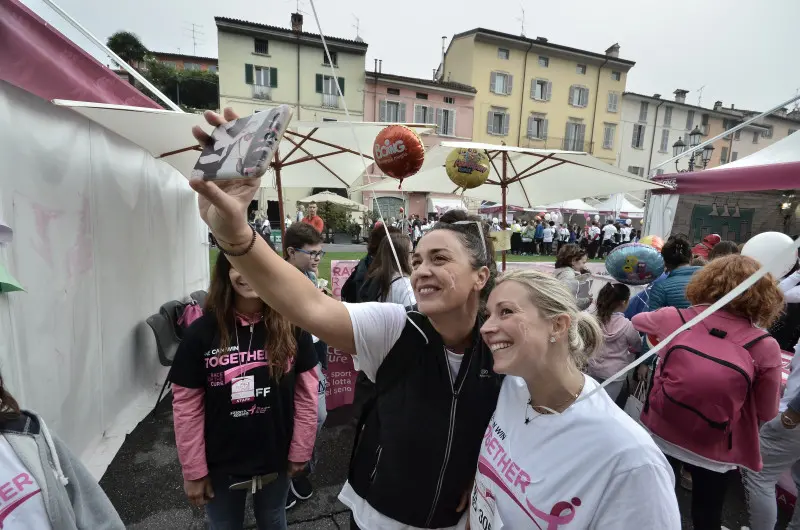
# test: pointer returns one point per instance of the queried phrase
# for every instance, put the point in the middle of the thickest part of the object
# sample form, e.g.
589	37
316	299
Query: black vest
417	444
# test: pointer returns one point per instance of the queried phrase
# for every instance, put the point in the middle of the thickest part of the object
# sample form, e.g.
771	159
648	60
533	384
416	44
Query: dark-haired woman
417	443
385	283
42	485
245	403
620	340
570	268
671	291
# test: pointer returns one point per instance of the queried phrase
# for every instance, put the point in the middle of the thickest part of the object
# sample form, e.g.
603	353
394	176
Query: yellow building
533	93
264	66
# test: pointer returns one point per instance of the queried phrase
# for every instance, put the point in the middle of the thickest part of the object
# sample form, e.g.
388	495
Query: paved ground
144	481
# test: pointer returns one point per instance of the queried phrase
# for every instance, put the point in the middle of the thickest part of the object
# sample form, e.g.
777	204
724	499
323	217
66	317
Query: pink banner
340	271
340	373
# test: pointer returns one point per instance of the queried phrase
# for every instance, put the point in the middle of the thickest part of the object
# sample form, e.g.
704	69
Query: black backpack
369	290
352	286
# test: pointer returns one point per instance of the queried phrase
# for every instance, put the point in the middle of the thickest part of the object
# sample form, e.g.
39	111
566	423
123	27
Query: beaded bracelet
245	251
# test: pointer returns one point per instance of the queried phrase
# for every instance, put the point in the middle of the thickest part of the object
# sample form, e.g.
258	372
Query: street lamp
694	140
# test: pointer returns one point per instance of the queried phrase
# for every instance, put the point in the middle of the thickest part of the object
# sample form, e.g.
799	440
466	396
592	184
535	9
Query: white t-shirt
21	501
594	232
608	232
376	327
626	234
591	467
401	292
548	235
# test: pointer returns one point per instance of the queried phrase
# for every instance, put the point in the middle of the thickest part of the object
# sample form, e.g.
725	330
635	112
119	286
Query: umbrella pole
277	167
503	190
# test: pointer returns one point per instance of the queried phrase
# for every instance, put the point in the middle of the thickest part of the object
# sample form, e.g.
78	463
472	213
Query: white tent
617	204
332	198
571	206
530	177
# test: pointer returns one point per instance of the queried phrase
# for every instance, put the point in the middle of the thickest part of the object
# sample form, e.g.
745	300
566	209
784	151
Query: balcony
262	92
330	101
552	142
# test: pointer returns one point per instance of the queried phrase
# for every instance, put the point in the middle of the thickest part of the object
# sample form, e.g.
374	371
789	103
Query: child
620	339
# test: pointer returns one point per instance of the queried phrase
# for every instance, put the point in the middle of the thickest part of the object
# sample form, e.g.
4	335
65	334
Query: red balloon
398	151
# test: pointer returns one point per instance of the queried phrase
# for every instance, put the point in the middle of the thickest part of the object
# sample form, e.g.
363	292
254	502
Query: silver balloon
635	264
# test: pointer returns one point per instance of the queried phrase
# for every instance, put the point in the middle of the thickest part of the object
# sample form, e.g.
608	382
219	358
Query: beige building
534	93
263	66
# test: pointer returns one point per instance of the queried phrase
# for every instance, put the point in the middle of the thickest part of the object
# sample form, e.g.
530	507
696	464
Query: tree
128	46
191	89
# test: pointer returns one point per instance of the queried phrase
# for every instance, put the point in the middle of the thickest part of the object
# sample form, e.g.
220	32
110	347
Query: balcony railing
552	142
330	100
262	92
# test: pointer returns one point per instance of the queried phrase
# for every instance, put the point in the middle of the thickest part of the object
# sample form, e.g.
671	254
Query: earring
552	339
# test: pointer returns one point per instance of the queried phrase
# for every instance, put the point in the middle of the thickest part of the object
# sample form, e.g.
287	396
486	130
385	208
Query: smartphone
243	148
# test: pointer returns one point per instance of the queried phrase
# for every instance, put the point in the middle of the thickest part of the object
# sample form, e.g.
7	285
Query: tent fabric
571	206
104	234
35	57
617	203
333	198
776	167
162	132
661	210
560	176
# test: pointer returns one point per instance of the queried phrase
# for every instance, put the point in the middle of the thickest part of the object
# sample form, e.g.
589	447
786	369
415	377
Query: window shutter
584	97
509	82
533	88
248	74
382	111
319	83
530	126
633	140
572	95
341	84
432	115
641	171
549	90
543	131
273	77
492	81
418	116
568	137
439	121
581	136
452	130
490	122
401	115
506	123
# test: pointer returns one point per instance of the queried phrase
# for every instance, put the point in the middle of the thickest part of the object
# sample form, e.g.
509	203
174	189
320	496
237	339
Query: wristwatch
788	422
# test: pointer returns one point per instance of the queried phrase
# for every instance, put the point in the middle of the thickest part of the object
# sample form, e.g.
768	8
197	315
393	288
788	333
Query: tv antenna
196	34
700	96
357	25
521	20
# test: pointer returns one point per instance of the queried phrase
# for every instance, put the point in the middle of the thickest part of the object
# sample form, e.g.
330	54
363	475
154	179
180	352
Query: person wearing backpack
385	283
715	382
352	286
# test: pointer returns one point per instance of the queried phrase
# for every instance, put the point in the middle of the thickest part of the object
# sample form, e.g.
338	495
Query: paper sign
502	239
8	283
341	378
340	271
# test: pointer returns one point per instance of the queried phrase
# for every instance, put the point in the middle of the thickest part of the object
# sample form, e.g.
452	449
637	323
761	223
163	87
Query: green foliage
191	89
373	216
354	229
128	46
336	217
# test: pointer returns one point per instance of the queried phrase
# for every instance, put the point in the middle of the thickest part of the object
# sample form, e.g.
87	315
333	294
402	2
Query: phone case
243	148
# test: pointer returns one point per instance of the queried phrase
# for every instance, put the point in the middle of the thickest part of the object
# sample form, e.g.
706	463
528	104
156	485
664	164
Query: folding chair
166	344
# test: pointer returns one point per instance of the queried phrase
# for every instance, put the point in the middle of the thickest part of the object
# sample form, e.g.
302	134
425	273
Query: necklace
542	410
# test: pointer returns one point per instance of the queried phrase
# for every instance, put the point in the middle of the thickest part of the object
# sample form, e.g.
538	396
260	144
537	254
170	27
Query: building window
636	170
171	64
689	120
667	116
502	53
329	119
537	126
616	76
326	85
393	91
664	141
424	114
578	96
191	66
541	89
334	58
756	134
392	112
613	102
574	136
643	106
261	46
446	119
422	95
500	83
212	68
609	130
580	69
723	156
389	207
659	171
262	79
498	122
734	156
544	62
638	136
449	100
737	135
791	131
767	133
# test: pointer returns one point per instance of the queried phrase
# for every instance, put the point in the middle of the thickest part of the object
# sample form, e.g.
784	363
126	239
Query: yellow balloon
467	168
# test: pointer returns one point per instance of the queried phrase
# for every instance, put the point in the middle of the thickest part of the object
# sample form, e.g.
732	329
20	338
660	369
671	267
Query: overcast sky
739	50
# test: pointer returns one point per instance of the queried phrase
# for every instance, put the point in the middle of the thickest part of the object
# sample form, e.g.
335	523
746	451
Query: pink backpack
703	380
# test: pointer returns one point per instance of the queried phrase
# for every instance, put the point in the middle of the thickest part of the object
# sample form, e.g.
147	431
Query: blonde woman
554	456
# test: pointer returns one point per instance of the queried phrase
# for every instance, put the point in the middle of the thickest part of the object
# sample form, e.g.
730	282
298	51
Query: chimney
657	96
613	50
732	106
297	22
444	40
680	95
380	66
541	39
375	69
717	105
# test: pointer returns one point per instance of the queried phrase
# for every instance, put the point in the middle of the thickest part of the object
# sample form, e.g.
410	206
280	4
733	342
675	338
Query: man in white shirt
626	233
594	240
609	232
549	234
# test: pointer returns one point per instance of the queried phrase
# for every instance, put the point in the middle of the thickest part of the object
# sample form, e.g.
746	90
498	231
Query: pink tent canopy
35	57
776	167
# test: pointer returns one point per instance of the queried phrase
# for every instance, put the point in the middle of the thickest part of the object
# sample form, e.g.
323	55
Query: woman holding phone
417	442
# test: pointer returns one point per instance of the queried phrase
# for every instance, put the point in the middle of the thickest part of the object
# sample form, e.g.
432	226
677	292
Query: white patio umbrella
332	198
